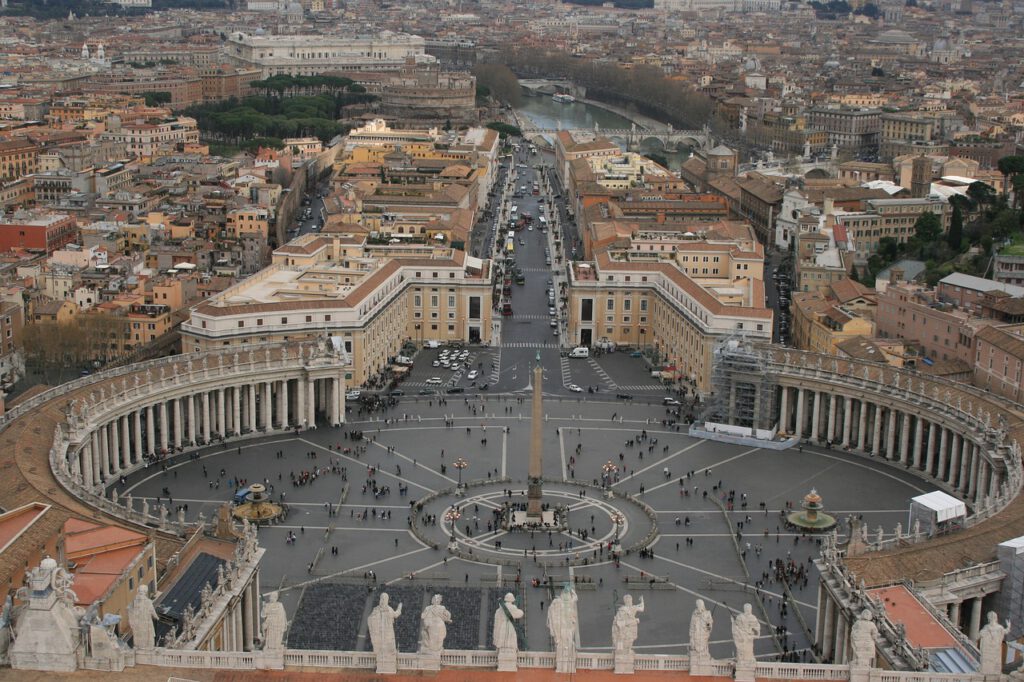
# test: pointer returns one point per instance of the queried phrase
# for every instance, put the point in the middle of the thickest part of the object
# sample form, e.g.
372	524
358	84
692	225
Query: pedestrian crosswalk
495	367
566	373
601	373
518	316
640	387
529	344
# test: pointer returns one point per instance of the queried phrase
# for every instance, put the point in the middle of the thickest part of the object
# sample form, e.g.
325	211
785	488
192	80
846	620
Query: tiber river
547	113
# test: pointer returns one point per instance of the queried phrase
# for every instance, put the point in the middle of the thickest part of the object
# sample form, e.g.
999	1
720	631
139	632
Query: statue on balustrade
862	639
433	627
563	624
701	622
506	637
141	616
625	625
745	629
990	642
382	634
275	623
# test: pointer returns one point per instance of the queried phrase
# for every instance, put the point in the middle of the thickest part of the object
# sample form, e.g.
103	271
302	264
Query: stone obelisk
534	494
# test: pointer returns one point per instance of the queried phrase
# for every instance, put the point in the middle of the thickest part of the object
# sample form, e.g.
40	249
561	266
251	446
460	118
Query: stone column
300	401
993	483
829	629
252	407
954	613
236	410
336	398
115	446
282	404
890	436
246	619
205	416
972	473
94	453
88	473
975	624
830	434
905	439
150	430
918	437
176	402
930	459
222	419
840	653
311	401
268	424
876	432
862	426
965	462
955	454
801	402
943	453
236	613
847	420
815	416
164	431
192	430
104	453
784	410
137	428
126	443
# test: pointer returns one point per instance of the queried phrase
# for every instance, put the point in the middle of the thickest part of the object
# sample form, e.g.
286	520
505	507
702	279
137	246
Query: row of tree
283	85
645	88
237	121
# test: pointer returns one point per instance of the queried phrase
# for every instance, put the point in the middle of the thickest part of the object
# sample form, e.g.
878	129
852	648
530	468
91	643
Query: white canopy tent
936	510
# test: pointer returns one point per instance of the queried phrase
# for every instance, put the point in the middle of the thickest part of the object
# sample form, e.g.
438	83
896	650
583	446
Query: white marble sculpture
506	640
745	629
862	639
141	616
624	633
274	623
382	635
700	637
433	629
47	628
563	625
990	643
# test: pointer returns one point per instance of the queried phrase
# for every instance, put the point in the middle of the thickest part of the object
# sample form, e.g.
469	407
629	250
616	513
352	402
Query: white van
579	352
433	344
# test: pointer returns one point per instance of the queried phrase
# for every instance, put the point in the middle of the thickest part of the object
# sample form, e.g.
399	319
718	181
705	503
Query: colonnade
165	421
240	625
912	437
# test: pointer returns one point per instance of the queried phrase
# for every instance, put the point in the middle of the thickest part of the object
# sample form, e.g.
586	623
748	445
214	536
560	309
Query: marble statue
188	623
880	535
700	634
434	628
506	639
6	618
564	627
274	623
145	507
624	626
113	495
990	643
899	530
181	516
129	503
141	616
745	629
381	624
163	514
862	640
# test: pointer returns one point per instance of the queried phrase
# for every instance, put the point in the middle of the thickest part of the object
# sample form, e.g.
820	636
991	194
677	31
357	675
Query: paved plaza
408	453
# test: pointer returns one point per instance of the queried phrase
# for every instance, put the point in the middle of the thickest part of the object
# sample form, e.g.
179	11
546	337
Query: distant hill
620	4
59	9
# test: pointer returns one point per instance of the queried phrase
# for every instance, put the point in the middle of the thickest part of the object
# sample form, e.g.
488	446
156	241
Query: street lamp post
608	470
460	464
452	516
618	519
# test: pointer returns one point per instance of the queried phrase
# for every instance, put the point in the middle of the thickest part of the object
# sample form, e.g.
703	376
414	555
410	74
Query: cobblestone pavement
411	457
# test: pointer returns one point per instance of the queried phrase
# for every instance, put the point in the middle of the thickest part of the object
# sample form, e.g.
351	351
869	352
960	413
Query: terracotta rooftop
923	630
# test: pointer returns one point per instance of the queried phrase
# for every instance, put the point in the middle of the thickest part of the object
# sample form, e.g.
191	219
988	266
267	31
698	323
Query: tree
1009	165
501	82
155	99
853	274
981	193
928	228
505	129
956	228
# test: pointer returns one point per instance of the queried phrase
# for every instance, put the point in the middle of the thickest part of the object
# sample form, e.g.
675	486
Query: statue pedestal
429	660
387	663
623	662
508	661
744	672
859	673
701	667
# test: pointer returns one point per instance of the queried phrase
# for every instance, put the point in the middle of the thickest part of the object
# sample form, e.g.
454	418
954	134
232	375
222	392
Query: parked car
434	381
574	388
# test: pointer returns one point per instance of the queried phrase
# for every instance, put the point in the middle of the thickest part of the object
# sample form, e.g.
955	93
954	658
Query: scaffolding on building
742	390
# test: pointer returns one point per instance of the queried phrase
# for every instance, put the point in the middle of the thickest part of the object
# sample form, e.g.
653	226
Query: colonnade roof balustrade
978	415
36	434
